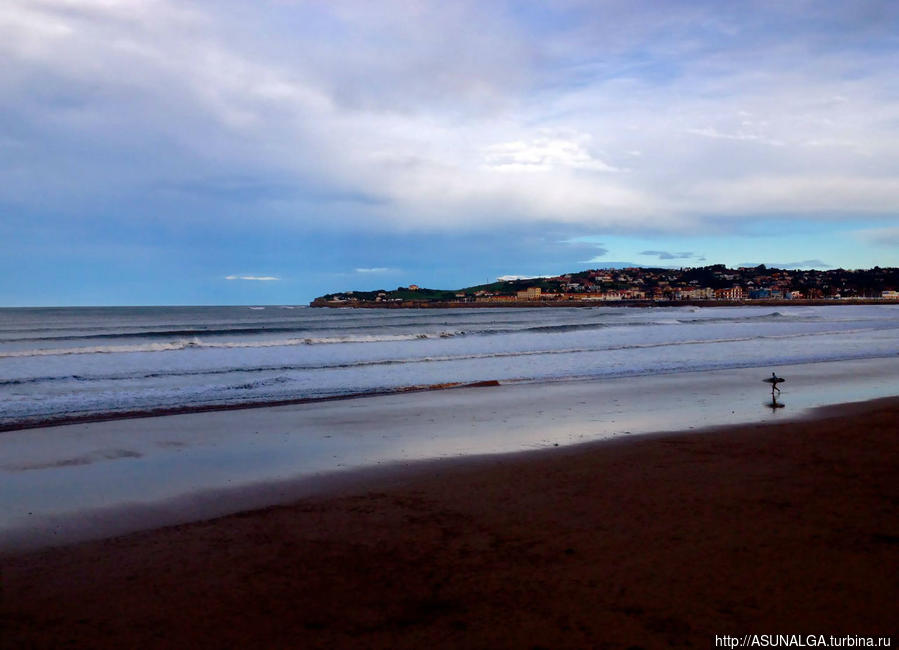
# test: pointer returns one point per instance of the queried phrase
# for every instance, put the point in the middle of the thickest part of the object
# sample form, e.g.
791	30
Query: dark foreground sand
642	543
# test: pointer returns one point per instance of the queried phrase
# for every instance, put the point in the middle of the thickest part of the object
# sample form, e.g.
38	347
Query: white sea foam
197	343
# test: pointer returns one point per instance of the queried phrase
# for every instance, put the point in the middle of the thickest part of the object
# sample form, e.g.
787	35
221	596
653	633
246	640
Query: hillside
715	282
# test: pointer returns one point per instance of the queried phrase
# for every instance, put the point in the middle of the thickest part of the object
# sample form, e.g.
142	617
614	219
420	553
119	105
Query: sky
224	152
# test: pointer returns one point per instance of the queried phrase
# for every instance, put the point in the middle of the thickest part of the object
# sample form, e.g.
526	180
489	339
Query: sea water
64	362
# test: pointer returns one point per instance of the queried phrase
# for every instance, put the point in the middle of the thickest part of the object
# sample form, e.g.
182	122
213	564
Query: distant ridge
635	284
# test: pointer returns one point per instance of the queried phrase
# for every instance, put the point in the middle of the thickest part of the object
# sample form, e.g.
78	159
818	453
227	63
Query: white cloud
375	269
543	154
709	132
257	278
451	127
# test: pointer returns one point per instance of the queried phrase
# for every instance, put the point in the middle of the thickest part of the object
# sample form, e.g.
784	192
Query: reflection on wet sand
774	404
111	474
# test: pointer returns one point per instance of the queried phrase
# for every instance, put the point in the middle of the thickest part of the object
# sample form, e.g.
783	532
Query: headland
708	286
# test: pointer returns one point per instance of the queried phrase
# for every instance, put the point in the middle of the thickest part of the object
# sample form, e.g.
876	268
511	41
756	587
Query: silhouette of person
774	381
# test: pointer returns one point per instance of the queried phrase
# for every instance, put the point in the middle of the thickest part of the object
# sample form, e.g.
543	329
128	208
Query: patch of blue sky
770	242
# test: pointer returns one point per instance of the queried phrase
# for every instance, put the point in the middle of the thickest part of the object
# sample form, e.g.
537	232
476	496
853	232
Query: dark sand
643	543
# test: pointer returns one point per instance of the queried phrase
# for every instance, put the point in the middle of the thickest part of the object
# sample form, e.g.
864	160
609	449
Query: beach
780	527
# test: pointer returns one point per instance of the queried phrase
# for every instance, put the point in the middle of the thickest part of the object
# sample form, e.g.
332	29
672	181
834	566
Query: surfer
774	380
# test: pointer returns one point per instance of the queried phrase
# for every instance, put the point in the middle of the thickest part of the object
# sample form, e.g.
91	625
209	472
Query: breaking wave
197	343
410	360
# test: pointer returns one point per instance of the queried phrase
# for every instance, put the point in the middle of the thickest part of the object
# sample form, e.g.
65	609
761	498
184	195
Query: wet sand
95	480
776	528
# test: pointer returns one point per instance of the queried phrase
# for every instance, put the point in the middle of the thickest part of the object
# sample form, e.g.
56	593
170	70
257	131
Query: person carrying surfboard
774	380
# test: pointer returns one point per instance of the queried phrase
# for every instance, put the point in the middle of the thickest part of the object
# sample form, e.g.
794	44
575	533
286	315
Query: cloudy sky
210	152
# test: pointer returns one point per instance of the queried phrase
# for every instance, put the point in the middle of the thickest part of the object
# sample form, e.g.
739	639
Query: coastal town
636	285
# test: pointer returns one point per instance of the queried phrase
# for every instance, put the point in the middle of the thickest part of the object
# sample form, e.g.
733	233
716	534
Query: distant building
414	287
493	298
734	293
705	293
531	293
890	295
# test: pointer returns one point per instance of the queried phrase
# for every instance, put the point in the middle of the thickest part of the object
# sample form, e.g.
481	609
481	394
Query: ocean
58	363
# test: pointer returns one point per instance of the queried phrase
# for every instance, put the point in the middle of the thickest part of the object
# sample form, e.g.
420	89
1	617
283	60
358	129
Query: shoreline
111	416
660	539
